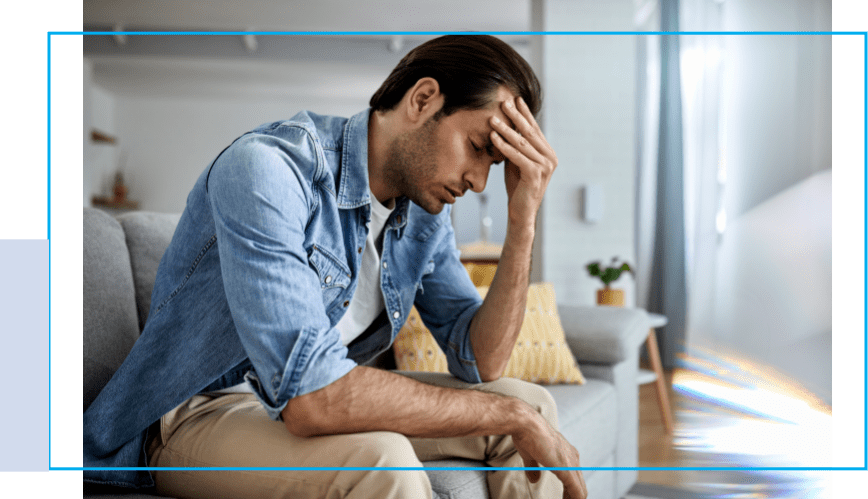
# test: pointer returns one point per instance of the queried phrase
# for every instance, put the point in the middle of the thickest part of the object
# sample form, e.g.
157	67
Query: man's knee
535	395
385	449
391	450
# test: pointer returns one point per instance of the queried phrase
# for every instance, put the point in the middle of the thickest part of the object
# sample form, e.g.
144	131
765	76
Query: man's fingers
527	125
574	486
523	158
518	142
524	124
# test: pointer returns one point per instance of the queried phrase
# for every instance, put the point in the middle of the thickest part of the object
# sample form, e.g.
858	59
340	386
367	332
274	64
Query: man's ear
423	100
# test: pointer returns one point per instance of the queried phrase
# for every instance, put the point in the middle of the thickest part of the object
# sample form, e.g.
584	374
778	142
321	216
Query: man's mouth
455	194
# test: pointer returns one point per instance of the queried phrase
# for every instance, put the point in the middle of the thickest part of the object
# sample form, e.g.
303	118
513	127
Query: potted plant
609	274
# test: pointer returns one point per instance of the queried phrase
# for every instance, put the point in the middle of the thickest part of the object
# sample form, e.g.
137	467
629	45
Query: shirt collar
353	191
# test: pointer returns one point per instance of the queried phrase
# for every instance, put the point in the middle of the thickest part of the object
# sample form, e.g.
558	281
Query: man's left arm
530	162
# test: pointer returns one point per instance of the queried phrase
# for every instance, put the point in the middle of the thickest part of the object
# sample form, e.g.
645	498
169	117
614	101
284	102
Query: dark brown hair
468	68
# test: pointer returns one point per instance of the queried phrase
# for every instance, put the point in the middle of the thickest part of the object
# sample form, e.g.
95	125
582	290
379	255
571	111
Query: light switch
591	203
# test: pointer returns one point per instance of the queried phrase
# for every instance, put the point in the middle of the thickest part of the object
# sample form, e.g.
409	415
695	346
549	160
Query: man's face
440	160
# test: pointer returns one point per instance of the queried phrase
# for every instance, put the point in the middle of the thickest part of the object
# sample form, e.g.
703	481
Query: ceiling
185	66
321	15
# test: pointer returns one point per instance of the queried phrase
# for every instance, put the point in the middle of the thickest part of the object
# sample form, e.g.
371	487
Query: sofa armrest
604	335
606	342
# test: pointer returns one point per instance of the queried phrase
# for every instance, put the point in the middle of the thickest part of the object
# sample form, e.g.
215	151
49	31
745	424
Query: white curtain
648	116
702	64
704	169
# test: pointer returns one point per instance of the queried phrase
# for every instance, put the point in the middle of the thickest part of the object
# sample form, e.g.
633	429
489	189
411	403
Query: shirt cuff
459	351
311	370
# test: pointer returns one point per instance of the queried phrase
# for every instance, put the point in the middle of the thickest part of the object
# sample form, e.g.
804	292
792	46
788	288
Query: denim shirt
263	264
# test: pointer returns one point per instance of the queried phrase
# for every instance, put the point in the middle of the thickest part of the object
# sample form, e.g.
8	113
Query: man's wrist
523	226
523	419
521	231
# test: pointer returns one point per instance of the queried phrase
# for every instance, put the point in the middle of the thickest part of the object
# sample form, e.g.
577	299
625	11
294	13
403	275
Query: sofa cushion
540	355
110	319
148	235
460	484
588	418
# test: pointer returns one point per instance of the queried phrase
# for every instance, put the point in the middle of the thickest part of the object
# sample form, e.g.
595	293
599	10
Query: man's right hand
541	445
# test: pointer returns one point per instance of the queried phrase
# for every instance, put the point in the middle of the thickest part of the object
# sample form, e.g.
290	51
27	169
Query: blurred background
705	161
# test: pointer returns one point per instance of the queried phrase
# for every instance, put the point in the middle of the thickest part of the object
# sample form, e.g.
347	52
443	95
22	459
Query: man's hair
468	68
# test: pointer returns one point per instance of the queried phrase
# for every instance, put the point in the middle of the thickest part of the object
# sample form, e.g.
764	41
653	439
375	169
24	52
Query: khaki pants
233	430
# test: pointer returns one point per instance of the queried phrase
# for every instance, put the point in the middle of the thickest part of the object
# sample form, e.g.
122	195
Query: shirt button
360	249
398	219
346	304
397	315
328	279
385	265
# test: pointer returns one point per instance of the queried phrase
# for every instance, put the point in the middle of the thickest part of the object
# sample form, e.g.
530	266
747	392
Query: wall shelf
102	138
113	204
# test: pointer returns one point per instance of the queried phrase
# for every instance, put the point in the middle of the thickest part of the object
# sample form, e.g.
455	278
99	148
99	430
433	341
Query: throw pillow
541	354
481	274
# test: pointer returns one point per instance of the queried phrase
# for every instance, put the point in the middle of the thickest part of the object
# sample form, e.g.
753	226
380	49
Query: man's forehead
479	120
496	109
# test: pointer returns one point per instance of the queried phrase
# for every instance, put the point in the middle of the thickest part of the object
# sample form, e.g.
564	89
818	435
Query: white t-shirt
367	302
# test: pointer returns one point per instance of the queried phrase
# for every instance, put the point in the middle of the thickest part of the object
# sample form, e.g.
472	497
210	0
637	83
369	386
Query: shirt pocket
334	276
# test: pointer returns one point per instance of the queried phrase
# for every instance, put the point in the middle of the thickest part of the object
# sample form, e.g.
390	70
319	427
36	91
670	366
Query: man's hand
530	160
542	445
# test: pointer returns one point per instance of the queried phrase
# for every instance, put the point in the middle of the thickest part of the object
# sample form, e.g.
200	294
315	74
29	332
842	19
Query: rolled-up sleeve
447	304
261	202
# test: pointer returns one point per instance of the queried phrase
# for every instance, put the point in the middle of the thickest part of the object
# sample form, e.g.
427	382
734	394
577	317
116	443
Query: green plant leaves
609	274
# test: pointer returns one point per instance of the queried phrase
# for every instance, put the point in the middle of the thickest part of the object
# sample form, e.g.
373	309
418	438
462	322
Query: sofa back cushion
110	319
148	235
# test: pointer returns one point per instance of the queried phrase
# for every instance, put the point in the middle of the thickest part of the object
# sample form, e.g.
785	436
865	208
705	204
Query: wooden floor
655	446
657	449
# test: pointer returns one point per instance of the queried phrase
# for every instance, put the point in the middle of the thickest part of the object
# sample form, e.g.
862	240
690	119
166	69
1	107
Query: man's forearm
496	325
369	399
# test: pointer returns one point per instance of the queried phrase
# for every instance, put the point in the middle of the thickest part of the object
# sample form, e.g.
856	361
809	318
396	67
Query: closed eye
494	153
490	150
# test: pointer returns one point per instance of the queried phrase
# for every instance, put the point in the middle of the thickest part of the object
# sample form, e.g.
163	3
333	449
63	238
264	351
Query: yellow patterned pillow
481	274
541	354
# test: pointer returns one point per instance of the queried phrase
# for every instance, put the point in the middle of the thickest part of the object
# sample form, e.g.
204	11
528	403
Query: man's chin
436	210
432	206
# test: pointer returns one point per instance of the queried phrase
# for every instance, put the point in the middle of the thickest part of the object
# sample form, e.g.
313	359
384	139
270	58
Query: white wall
100	159
168	142
105	157
777	98
86	168
589	118
771	296
774	284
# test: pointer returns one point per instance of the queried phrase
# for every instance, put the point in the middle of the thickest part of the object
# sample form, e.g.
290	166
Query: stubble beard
410	166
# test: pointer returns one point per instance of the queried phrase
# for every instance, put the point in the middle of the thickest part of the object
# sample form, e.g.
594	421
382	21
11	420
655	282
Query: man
302	248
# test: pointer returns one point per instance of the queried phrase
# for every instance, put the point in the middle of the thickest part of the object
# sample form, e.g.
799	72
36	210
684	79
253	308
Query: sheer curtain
702	58
680	174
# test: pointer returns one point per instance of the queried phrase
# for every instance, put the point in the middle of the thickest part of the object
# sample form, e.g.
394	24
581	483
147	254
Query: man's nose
477	176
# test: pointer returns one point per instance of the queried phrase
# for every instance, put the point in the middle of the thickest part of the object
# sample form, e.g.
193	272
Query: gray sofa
600	417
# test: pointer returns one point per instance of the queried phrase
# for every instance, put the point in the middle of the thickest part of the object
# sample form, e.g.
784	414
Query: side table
645	376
